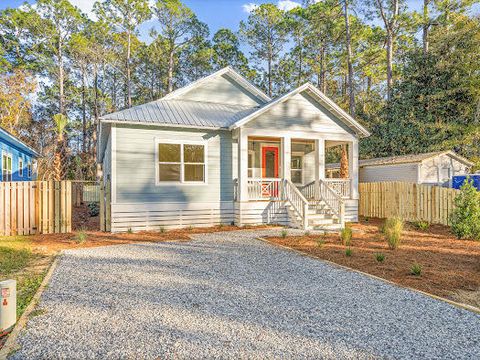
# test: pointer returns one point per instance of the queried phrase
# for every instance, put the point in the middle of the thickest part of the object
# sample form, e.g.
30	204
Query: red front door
270	162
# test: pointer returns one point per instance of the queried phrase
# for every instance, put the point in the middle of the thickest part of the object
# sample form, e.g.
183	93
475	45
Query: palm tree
61	122
344	163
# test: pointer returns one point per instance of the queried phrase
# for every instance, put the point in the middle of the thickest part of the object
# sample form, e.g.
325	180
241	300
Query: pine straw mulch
450	267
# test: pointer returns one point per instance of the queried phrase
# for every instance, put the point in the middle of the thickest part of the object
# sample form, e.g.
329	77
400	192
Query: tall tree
62	20
180	27
266	32
226	51
348	44
125	16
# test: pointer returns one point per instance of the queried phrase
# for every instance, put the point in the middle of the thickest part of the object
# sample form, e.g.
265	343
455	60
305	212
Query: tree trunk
425	27
390	41
348	38
171	64
129	89
61	100
323	71
84	113
344	163
269	65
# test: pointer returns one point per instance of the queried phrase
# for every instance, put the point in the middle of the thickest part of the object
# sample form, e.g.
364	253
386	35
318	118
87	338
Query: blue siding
17	154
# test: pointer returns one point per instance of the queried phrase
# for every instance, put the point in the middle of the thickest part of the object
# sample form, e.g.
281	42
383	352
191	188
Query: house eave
143	123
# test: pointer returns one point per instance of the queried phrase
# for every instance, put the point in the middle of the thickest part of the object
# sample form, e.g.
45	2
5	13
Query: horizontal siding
135	166
153	217
221	89
261	212
351	210
398	172
16	154
300	113
434	171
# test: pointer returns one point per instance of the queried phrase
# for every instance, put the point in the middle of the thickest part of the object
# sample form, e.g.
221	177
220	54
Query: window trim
8	155
204	143
20	167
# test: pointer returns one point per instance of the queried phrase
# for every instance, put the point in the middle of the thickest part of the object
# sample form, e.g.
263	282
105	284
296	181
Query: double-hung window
20	167
181	162
29	170
297	169
6	167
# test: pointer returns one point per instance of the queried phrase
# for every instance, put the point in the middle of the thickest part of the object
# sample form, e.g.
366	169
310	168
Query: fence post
102	206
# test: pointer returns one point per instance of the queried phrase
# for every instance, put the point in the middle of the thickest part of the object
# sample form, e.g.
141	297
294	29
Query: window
251	163
6	167
29	170
297	169
20	167
181	162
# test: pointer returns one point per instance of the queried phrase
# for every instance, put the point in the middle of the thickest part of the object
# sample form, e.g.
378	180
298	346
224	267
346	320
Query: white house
221	151
433	168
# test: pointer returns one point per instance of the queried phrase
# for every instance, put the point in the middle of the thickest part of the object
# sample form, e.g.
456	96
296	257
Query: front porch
289	172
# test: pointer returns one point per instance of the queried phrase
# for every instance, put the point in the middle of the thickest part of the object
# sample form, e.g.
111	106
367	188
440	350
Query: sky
216	13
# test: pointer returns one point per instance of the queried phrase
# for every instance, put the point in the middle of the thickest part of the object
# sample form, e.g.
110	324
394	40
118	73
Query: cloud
85	5
248	8
287	5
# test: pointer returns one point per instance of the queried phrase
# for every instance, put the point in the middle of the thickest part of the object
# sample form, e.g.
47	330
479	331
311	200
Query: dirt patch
450	267
82	220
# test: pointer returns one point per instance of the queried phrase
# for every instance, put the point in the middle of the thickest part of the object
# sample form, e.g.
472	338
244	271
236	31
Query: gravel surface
227	295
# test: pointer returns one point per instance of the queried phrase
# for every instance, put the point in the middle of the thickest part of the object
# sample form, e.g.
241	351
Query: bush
422	225
320	242
284	233
465	218
162	229
130	231
380	257
346	235
93	209
348	252
392	229
416	269
307	233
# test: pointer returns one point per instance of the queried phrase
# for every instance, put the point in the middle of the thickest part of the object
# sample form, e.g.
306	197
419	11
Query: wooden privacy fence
85	192
105	206
31	207
409	201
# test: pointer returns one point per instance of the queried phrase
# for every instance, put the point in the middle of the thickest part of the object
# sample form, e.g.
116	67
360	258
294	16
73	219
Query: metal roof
404	159
182	113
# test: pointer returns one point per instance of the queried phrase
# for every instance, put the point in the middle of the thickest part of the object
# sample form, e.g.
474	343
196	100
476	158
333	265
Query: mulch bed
450	267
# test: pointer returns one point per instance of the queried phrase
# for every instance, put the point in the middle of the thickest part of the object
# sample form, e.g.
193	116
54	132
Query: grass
284	233
416	269
19	262
422	225
81	237
346	236
348	252
392	229
380	257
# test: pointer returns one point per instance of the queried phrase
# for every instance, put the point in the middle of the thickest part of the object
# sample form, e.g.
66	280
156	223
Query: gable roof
320	97
406	159
239	79
181	113
14	141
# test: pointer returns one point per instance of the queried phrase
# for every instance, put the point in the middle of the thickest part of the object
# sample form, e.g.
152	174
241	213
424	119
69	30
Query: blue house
18	159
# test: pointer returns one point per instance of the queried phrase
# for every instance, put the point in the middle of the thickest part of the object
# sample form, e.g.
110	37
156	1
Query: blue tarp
458	181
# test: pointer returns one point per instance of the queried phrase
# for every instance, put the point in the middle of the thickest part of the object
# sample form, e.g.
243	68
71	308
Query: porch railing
297	201
333	200
264	189
340	186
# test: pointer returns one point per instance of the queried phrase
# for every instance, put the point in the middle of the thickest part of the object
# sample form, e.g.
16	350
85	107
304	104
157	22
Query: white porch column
242	165
319	161
353	169
286	157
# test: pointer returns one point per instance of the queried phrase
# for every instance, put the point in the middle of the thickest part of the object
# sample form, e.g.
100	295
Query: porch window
20	167
6	167
181	162
29	170
297	169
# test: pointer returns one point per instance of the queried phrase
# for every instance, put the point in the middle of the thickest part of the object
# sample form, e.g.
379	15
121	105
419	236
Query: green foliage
284	233
320	242
13	259
379	257
346	235
416	269
392	229
465	219
162	229
129	231
81	237
93	209
422	225
348	252
26	289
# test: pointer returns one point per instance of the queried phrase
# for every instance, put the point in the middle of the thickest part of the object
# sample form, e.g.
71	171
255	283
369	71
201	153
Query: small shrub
307	233
284	233
422	225
346	235
220	225
130	231
190	227
367	219
380	257
392	229
162	229
81	237
320	242
416	269
348	252
465	219
93	209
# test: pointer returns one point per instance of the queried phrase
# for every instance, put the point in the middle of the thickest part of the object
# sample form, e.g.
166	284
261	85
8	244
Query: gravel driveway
227	295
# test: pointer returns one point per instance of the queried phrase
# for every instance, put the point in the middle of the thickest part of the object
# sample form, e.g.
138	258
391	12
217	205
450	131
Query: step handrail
332	199
297	200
